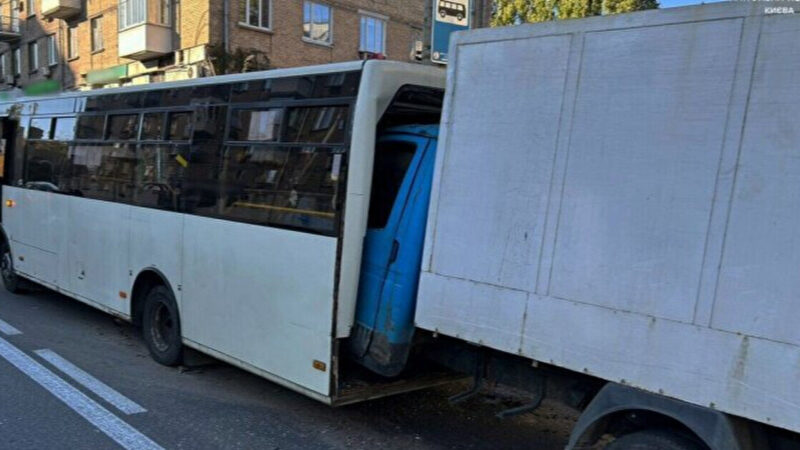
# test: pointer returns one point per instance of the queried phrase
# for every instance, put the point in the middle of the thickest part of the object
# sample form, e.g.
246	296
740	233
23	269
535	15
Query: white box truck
618	196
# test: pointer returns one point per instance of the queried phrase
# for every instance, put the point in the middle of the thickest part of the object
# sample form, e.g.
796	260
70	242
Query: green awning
108	75
42	87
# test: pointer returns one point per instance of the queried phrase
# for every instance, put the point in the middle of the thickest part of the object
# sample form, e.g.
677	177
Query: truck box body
619	196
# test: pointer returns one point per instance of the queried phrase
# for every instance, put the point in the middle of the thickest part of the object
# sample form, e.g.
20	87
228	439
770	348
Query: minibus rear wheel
161	326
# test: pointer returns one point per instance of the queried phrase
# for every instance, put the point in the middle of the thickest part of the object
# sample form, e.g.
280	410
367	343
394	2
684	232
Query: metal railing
9	24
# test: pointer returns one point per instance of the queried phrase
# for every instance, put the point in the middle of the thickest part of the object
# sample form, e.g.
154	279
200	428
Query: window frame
72	43
165	6
245	14
341	148
140	113
102	131
45	137
52	50
309	39
162	131
123	8
33	56
163	13
96	42
108	129
234	109
30	6
17	61
321	206
379	18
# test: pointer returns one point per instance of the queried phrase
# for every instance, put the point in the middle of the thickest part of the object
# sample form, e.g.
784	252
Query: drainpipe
226	12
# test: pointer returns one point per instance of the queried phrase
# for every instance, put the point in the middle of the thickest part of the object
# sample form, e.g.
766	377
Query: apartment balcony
9	29
60	9
145	30
145	41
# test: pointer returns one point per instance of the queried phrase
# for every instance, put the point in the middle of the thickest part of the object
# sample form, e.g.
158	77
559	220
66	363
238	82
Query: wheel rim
5	265
163	327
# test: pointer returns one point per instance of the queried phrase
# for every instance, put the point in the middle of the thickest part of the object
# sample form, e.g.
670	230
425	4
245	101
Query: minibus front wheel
11	280
161	326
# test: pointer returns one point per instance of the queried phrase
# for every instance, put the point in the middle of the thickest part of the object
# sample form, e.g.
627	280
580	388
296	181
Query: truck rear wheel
161	327
654	440
11	280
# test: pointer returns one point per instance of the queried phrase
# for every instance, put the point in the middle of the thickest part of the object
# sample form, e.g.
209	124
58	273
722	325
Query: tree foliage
237	61
621	6
512	12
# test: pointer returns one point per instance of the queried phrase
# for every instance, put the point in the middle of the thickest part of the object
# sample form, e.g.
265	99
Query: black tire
11	280
161	327
655	440
442	13
459	17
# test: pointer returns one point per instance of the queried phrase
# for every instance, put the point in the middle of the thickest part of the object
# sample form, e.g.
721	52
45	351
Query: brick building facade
81	44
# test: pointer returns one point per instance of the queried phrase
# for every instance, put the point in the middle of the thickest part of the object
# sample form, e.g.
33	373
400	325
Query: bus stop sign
448	16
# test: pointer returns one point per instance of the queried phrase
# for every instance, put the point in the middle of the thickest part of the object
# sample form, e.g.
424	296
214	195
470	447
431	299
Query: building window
72	42
52	55
17	61
132	12
3	68
317	22
33	56
165	12
373	34
256	13
97	33
29	7
135	12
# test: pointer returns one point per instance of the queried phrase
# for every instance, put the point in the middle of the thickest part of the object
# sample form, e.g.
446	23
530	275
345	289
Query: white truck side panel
514	182
644	149
756	298
618	196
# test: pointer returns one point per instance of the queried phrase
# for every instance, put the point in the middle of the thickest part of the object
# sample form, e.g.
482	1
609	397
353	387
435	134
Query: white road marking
124	434
104	391
7	329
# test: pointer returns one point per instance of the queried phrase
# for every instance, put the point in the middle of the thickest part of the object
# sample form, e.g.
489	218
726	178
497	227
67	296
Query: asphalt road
211	406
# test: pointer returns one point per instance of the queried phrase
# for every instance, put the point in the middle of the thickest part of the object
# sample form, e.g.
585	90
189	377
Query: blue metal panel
391	262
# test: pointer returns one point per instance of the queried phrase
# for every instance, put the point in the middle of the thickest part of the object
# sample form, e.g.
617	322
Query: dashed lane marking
102	390
114	427
7	329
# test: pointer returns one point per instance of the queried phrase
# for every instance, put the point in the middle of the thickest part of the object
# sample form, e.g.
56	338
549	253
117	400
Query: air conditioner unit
45	71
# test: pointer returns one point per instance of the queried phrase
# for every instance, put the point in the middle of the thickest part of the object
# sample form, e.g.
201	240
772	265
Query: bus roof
321	69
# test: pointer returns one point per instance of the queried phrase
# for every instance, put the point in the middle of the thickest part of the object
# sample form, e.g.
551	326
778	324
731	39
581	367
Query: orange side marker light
11	203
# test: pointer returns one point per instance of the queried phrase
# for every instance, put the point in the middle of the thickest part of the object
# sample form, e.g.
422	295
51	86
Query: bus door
8	128
33	215
401	185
